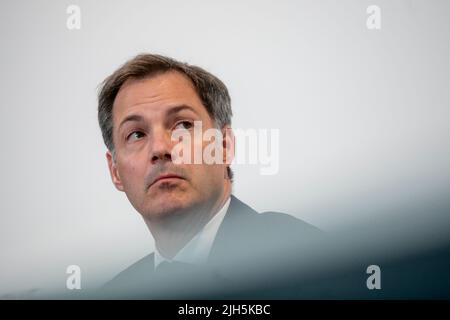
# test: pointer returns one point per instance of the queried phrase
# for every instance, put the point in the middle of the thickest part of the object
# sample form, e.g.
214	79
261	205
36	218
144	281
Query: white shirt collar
196	251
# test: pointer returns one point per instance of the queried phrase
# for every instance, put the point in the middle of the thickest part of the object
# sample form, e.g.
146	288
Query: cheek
207	176
131	177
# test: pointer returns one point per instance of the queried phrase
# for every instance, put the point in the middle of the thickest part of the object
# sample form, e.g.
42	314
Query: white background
363	116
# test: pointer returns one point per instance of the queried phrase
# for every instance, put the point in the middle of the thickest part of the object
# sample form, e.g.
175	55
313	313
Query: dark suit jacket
276	256
244	239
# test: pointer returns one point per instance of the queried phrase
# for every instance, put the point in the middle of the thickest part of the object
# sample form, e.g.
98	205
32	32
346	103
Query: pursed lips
164	177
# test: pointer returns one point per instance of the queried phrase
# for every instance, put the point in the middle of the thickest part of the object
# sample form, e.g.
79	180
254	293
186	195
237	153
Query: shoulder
278	221
283	230
245	232
242	216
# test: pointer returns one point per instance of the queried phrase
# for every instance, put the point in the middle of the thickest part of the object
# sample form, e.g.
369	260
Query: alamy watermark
212	146
373	21
373	282
73	281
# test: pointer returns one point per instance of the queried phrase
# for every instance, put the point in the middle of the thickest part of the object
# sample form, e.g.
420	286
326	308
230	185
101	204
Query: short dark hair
212	91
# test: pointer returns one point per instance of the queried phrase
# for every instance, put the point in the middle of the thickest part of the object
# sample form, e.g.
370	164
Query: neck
172	233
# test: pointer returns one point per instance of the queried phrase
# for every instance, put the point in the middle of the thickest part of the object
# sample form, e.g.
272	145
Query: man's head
140	106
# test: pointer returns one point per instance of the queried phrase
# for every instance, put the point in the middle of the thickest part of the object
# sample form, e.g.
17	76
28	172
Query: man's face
145	114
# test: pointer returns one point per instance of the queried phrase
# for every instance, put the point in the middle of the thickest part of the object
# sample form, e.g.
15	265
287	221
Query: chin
166	204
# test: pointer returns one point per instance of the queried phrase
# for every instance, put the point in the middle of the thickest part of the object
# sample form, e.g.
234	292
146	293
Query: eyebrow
171	111
131	117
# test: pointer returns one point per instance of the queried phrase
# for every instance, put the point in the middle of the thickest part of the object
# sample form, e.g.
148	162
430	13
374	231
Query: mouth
166	177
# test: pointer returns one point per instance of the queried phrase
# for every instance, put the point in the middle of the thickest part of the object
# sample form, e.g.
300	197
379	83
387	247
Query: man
187	206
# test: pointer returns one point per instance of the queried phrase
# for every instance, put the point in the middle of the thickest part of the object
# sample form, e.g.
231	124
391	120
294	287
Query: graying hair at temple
211	90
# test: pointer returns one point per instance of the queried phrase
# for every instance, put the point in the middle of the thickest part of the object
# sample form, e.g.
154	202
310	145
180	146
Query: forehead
156	93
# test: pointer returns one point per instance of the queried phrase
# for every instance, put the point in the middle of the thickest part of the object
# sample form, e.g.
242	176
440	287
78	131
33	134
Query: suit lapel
234	234
233	230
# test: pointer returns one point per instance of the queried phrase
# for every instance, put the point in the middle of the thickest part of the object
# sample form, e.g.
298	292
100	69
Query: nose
161	146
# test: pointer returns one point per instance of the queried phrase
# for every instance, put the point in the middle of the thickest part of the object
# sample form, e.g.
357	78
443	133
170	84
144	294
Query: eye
135	134
184	125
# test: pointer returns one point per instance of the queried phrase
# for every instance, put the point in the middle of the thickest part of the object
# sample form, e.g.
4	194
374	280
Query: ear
228	144
114	172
